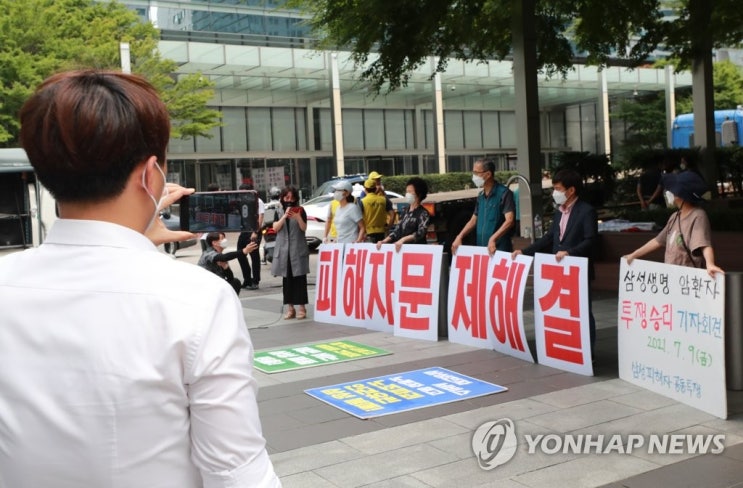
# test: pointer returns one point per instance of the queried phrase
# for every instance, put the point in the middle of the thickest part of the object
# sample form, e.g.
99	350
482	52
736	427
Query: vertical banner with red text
561	323
417	276
671	333
355	286
382	290
485	301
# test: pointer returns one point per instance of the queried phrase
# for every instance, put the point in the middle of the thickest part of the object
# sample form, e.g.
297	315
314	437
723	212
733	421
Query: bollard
444	296
734	330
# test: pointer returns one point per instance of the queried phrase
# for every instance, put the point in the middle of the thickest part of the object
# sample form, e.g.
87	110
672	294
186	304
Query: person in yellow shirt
331	235
374	208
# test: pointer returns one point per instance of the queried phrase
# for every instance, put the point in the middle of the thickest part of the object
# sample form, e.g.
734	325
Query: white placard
561	320
671	333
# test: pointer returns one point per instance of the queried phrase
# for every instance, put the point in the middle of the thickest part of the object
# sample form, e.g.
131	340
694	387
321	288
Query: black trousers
250	276
295	288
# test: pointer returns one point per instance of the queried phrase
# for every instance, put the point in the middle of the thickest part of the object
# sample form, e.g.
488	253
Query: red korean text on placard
504	303
354	270
381	262
469	301
328	280
562	335
415	290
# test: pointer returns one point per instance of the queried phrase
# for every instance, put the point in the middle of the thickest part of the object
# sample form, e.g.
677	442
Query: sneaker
253	287
249	286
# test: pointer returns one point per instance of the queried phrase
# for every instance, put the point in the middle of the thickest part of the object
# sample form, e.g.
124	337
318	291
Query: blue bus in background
728	129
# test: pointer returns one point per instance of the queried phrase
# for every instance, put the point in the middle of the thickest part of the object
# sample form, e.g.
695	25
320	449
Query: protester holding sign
494	215
687	234
574	229
413	223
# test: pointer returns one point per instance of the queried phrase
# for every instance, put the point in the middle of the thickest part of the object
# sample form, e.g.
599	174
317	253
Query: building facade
283	124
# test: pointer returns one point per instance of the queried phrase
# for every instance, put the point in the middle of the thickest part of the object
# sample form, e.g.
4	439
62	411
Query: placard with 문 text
671	333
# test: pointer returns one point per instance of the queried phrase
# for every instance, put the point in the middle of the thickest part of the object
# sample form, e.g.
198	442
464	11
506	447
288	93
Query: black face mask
288	204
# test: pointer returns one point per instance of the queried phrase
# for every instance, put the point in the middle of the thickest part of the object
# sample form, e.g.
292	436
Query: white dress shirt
120	367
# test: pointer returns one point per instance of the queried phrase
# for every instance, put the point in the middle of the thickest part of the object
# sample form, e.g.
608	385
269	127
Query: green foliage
406	32
727	82
41	37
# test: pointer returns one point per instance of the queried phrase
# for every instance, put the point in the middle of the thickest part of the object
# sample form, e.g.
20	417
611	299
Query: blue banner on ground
401	392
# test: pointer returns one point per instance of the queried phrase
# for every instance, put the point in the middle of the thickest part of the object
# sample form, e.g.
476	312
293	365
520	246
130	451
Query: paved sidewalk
315	445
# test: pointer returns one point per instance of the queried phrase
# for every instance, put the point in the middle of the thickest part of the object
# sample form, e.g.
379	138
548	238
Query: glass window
508	129
284	131
210	145
353	134
410	129
453	129
300	116
572	128
394	127
472	130
490	130
234	131
177	146
428	128
374	129
557	129
588	128
259	129
323	137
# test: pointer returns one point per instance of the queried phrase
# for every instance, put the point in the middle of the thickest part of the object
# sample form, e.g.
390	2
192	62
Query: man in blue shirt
494	217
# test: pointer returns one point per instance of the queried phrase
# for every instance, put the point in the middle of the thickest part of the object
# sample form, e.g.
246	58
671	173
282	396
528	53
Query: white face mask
338	195
223	243
478	180
559	197
409	197
156	202
670	197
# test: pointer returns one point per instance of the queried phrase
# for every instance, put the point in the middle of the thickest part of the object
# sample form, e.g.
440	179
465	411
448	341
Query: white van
27	209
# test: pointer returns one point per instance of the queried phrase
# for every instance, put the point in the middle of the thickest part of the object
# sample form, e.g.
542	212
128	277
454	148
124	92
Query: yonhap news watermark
494	443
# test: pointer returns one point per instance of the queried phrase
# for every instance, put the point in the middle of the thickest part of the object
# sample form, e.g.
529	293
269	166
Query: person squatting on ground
214	259
494	217
251	270
121	366
291	256
574	231
413	224
687	235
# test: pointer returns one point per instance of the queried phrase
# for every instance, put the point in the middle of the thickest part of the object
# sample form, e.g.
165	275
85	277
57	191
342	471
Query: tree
42	37
727	86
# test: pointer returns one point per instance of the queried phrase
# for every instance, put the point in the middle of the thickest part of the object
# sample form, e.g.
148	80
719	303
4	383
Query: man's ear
151	177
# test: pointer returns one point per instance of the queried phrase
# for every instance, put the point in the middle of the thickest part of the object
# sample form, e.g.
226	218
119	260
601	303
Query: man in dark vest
494	217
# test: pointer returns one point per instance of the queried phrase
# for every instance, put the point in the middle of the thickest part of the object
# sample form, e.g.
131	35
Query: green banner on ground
309	355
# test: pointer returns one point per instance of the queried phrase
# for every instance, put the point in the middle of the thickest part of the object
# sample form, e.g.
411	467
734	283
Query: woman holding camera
291	258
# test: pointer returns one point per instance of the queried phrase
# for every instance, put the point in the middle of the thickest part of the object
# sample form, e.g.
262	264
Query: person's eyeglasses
479	172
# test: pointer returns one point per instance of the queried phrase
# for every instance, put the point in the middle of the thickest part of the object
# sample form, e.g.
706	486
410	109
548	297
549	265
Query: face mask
409	197
478	180
338	195
223	243
669	198
288	204
559	197
165	193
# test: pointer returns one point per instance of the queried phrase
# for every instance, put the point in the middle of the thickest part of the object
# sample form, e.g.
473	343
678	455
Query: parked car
327	187
313	235
173	222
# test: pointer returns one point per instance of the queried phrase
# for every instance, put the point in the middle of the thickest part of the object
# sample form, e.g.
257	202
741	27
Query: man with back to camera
494	215
121	366
574	230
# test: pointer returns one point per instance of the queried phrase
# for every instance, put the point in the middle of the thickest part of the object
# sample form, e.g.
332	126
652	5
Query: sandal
302	314
289	314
